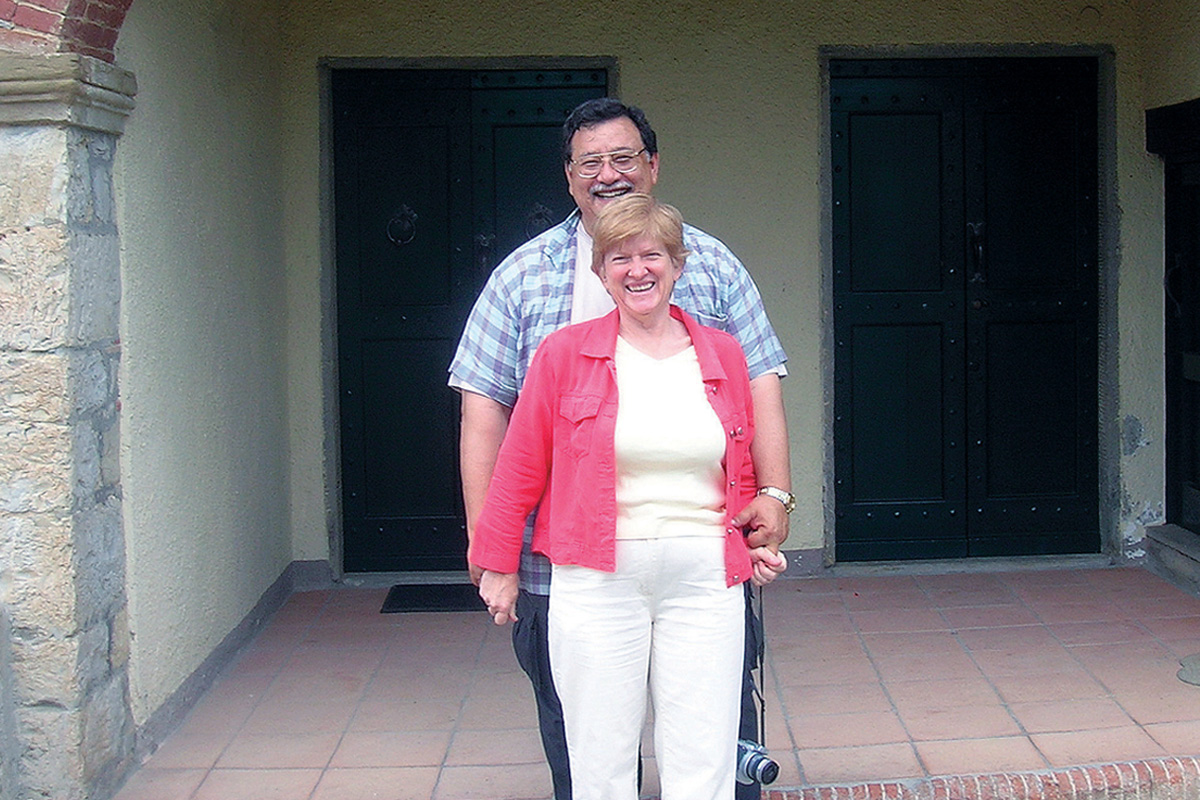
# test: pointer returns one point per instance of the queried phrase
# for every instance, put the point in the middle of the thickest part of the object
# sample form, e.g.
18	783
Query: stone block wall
66	730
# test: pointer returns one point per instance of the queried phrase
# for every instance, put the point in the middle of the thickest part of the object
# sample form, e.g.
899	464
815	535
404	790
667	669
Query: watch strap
787	498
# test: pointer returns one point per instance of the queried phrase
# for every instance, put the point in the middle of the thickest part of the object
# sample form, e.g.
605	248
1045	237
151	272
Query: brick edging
1176	778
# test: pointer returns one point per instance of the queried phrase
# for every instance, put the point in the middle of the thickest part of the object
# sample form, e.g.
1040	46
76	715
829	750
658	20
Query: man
609	150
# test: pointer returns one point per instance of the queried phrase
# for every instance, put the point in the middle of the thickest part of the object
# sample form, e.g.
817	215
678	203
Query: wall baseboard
298	576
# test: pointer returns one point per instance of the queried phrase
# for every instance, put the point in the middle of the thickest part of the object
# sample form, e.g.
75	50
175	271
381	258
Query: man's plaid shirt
529	295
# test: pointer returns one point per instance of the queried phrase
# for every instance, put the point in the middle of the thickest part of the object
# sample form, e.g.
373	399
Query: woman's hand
499	593
767	565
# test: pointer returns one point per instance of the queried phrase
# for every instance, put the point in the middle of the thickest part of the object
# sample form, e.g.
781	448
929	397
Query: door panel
898	319
1026	362
403	255
1029	204
964	307
1032	381
901	244
1184	348
396	375
894	417
435	176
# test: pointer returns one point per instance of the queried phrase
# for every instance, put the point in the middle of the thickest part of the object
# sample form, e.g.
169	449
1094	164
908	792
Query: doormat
432	597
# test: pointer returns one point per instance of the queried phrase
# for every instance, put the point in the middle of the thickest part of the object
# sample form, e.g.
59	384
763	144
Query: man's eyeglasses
623	161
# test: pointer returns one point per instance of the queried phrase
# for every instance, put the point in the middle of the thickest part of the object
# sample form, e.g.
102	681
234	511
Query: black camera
753	763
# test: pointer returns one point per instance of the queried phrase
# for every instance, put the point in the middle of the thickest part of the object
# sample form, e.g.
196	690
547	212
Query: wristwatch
787	498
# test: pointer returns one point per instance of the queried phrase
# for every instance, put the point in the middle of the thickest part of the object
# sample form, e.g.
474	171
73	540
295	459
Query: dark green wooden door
438	174
1172	132
964	252
1182	284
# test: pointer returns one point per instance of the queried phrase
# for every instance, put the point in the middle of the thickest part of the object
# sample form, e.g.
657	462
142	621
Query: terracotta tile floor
868	678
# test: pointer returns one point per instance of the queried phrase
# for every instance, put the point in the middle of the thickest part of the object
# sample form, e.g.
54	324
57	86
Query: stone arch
87	27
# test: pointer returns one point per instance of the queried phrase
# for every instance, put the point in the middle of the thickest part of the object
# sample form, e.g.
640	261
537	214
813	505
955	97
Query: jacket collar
600	341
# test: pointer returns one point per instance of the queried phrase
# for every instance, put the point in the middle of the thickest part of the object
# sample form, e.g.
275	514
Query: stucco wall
735	95
204	391
1172	34
1169	73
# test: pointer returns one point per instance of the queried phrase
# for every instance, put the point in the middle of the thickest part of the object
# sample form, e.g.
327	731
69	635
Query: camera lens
766	770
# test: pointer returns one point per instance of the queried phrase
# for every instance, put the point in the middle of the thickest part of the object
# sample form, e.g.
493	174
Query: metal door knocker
402	227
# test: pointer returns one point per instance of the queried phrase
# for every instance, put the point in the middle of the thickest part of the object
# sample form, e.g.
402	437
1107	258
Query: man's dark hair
602	109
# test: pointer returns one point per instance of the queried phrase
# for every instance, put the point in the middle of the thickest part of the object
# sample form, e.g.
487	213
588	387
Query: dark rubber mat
432	597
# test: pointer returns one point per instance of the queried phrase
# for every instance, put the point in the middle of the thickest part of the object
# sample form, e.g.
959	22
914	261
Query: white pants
666	614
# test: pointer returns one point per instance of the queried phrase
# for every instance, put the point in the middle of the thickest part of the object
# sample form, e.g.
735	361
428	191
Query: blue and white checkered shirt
528	297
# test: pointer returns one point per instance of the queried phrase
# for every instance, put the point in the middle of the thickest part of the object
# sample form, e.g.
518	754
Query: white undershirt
669	447
589	298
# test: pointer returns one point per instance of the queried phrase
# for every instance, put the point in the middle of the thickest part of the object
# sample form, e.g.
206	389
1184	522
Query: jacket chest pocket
577	421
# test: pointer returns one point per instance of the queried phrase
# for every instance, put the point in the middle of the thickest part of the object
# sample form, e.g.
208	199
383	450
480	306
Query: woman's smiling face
640	275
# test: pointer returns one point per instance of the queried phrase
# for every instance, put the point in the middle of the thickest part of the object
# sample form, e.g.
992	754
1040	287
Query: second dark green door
965	290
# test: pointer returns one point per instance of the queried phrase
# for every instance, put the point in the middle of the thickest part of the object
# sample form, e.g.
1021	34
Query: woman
635	501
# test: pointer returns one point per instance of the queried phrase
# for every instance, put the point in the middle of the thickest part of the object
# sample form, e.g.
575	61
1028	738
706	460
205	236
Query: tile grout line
476	669
881	680
1109	693
353	715
321	610
883	685
1004	701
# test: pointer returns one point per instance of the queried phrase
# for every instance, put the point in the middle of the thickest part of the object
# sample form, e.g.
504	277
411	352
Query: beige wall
735	95
1167	72
1172	33
203	385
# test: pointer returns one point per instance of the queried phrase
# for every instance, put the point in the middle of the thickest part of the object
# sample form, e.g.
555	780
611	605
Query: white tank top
669	447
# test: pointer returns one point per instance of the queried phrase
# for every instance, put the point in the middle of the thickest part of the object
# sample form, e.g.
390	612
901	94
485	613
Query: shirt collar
600	341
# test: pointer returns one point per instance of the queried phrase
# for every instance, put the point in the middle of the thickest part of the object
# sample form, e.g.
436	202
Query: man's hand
476	573
499	593
767	520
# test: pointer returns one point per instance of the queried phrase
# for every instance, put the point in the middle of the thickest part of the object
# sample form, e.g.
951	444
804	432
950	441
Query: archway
87	27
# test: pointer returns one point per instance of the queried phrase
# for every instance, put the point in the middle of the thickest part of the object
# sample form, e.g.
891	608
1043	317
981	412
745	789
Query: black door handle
975	232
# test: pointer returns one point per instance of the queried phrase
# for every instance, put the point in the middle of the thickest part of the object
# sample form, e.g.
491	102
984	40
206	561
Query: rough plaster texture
204	392
1171	31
